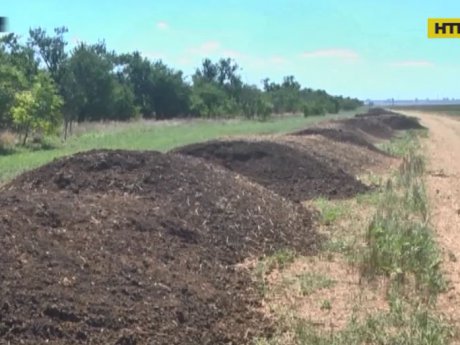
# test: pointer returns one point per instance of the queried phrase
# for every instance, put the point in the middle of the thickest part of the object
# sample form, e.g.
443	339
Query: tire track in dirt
443	186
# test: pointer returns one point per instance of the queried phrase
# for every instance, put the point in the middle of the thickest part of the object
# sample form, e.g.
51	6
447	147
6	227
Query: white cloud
412	63
161	25
206	48
338	53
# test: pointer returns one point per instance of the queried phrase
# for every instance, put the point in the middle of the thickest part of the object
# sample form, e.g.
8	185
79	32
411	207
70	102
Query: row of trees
43	84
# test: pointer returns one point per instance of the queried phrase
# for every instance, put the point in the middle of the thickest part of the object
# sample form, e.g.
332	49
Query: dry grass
7	141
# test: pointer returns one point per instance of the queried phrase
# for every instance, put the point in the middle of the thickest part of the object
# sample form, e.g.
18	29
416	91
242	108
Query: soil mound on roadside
372	126
288	171
340	135
122	247
401	122
354	159
391	119
377	112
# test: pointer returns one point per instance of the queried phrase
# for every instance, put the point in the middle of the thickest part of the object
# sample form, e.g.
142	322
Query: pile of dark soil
340	135
372	126
377	112
119	247
391	119
400	122
354	159
288	171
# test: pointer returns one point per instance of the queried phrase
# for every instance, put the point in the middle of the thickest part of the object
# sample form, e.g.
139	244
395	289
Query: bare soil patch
120	247
329	308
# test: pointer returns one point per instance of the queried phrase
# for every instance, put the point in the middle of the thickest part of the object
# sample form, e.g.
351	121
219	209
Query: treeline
43	85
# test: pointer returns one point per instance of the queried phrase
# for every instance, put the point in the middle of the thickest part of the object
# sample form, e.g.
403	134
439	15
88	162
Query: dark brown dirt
399	122
288	171
354	159
119	247
391	119
372	126
340	135
377	112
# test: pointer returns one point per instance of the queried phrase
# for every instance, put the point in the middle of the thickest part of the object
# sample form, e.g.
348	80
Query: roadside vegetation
392	249
45	88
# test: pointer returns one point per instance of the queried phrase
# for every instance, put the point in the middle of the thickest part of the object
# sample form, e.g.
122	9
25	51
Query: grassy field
450	109
149	135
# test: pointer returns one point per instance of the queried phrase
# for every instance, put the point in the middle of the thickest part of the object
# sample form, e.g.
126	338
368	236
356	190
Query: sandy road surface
443	182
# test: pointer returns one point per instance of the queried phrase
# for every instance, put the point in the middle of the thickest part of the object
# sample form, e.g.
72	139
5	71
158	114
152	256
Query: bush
313	110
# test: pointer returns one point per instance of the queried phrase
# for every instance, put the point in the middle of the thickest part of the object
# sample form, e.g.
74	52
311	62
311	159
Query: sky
361	48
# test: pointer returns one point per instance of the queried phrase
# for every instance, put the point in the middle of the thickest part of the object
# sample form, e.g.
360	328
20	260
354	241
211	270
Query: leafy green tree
208	100
170	93
216	89
255	103
51	49
11	82
138	72
37	109
20	56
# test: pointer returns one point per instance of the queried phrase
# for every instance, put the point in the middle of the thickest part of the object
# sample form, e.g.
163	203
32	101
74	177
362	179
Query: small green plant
409	326
280	259
311	282
326	305
329	211
403	145
400	243
370	198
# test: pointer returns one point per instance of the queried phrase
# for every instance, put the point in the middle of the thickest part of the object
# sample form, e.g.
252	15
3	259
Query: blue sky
364	48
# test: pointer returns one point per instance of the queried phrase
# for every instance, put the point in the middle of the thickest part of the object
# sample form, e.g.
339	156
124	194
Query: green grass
400	243
330	211
403	145
408	325
311	282
150	135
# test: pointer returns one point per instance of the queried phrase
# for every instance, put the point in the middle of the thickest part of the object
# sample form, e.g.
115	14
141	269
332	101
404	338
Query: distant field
150	135
450	109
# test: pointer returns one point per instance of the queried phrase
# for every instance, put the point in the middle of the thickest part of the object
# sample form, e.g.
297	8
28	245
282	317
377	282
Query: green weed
330	211
311	282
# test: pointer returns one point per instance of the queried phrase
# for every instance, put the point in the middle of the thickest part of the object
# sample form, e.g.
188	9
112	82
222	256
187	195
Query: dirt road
443	182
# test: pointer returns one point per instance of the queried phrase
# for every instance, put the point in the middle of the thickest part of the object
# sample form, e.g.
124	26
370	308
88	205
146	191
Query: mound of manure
340	135
290	172
123	247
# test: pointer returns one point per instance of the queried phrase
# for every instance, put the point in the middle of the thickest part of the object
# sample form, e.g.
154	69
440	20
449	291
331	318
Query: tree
169	92
137	71
208	100
50	49
37	109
